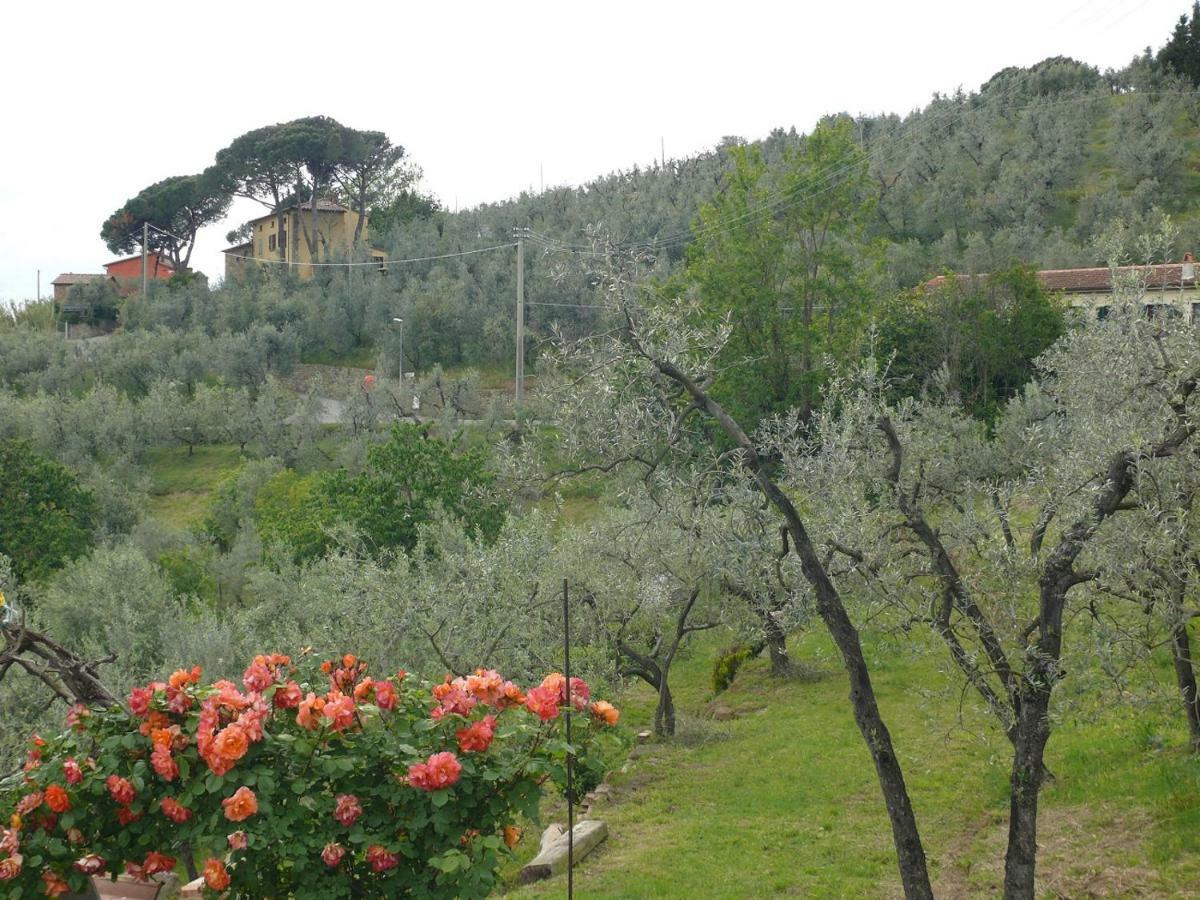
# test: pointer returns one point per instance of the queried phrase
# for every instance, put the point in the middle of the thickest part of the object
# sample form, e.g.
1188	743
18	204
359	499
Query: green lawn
782	799
182	485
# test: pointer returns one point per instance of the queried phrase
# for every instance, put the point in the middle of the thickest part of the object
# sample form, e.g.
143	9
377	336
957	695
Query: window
1101	313
271	242
1161	311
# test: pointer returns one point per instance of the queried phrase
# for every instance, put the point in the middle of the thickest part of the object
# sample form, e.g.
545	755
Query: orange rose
231	743
10	867
605	712
215	875
57	799
241	806
309	715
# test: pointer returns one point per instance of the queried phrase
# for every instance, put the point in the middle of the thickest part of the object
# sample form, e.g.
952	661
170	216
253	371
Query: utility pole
520	387
400	322
145	240
39	289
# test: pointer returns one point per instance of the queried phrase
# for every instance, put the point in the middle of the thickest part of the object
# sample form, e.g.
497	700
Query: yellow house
1170	288
284	239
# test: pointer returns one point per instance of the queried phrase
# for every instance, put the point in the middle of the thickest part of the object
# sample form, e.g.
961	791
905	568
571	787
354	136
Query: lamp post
400	322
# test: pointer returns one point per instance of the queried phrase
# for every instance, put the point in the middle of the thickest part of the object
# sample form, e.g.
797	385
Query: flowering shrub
326	783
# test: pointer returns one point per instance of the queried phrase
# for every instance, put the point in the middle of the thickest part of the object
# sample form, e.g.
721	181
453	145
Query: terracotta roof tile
78	278
1095	280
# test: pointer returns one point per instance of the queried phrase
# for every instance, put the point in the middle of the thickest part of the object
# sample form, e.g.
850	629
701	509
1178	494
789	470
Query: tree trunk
1032	733
664	714
776	640
914	872
1185	676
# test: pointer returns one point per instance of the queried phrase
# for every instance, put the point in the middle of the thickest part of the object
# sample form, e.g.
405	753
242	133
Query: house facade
63	283
285	239
1171	288
130	268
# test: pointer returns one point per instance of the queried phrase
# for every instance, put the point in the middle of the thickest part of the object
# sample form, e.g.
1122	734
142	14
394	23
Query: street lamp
400	322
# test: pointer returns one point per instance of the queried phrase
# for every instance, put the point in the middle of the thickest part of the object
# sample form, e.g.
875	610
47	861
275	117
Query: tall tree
371	172
780	251
176	209
253	167
1181	54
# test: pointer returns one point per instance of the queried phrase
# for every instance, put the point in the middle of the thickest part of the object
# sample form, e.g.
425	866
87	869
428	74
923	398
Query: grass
782	799
182	486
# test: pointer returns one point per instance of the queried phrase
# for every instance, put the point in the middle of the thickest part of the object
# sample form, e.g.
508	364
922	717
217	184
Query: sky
489	99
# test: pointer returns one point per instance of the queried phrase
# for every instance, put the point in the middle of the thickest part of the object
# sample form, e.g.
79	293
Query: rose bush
303	781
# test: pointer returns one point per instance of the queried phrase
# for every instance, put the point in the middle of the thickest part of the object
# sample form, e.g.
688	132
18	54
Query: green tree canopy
986	331
781	252
408	479
176	209
45	516
1181	54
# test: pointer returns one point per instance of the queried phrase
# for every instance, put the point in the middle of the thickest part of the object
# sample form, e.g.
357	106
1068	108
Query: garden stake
570	749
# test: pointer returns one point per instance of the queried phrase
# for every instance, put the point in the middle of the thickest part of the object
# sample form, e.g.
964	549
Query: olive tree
637	393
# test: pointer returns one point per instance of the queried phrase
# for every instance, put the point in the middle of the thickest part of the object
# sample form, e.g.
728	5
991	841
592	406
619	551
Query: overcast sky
103	99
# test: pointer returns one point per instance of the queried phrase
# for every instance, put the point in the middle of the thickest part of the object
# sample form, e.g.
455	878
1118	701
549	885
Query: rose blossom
544	702
241	806
288	696
347	810
440	771
90	864
120	789
57	799
10	867
605	712
215	875
71	771
478	737
332	855
385	695
380	859
175	811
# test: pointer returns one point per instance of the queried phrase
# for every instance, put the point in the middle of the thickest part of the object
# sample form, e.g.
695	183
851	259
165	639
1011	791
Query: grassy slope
782	800
183	485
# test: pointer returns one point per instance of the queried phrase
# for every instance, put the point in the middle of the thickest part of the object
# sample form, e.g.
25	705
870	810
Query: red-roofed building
1169	286
130	268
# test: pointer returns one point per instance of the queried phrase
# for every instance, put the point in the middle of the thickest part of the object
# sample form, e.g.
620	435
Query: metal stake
570	750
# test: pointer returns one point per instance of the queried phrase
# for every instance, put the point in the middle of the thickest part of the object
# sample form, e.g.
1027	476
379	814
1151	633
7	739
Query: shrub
46	518
319	783
726	665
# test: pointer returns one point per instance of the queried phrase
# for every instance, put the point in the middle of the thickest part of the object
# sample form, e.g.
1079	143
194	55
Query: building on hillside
128	271
273	242
63	283
1171	288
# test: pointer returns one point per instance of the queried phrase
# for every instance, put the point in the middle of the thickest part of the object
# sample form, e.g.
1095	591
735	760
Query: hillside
768	792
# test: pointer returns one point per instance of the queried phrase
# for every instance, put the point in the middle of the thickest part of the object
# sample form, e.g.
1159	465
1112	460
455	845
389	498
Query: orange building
130	268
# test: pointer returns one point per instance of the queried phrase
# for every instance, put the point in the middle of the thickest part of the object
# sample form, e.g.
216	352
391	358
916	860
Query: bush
310	784
46	518
726	665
